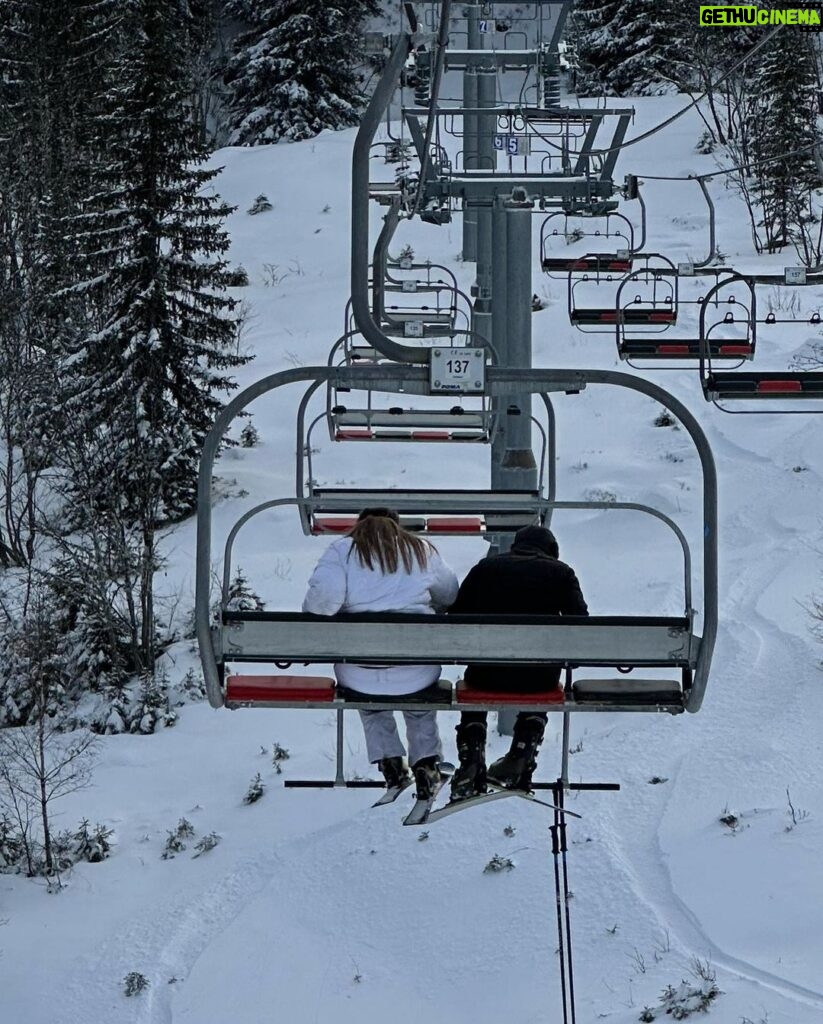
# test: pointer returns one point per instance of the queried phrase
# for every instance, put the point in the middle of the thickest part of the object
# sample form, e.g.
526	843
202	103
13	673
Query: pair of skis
423	813
422	808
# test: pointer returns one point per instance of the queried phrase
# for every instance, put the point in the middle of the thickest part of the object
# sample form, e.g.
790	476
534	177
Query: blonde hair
377	536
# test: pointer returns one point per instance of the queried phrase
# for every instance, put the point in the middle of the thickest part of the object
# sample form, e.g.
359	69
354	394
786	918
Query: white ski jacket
341	583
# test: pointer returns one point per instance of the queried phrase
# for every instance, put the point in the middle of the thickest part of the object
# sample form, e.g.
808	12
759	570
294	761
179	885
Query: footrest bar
576	785
331	784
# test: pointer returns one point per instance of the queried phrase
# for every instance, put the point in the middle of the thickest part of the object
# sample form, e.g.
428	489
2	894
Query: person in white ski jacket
381	567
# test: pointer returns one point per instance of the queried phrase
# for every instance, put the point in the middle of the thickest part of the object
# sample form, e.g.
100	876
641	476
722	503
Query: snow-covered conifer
295	72
784	133
241	596
150	243
621	46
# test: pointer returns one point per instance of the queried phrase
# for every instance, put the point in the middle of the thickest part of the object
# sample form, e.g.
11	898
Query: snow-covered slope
314	908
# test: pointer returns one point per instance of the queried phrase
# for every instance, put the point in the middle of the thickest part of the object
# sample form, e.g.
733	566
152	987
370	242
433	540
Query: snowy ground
314	908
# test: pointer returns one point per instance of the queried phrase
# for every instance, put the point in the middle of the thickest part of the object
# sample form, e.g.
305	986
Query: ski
392	793
497	793
419	813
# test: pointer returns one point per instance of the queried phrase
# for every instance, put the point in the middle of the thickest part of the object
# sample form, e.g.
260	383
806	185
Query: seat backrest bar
458	639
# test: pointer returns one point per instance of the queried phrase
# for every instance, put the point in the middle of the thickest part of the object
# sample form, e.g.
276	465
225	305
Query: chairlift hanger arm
369	124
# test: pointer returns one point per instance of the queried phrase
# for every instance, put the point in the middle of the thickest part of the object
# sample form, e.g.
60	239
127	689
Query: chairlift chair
624	642
653	309
643	349
617	228
762	387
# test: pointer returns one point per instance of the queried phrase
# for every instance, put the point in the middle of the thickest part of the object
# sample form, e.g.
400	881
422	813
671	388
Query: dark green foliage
134	983
590	28
295	72
255	791
91	844
11	845
206	844
176	839
249	436
241	596
150	267
784	132
116	334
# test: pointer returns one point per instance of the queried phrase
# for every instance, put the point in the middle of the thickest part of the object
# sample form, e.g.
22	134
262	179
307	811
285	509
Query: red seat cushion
322	524
472	695
285	688
455	524
779	386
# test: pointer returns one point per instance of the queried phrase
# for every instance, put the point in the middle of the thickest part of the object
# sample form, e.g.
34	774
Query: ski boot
470	777
395	771
514	770
427	777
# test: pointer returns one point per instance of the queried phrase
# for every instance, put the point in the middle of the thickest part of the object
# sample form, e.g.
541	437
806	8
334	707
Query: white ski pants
383	739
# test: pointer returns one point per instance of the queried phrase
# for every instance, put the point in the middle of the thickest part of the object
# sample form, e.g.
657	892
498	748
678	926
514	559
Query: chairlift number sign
513	145
795	275
457	369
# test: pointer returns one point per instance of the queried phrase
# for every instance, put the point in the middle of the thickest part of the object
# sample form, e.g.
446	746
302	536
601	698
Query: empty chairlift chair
764	389
730	336
653	306
616	233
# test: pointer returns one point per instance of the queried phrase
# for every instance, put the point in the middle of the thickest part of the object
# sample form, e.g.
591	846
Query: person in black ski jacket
529	579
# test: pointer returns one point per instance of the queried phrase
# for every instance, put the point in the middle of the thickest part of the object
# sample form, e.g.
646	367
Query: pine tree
621	46
590	30
51	57
241	596
142	377
151	272
295	72
784	133
639	42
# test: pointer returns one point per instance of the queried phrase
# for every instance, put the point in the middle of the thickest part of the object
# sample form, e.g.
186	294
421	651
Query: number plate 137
457	369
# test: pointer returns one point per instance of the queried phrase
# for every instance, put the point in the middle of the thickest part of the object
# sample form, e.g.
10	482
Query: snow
314	908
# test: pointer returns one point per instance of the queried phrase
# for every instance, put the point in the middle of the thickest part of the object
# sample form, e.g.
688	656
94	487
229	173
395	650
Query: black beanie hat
537	537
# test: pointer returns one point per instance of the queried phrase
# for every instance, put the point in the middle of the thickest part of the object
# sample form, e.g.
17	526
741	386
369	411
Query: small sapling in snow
261	204
497	864
134	983
797	814
256	789
278	755
206	843
175	840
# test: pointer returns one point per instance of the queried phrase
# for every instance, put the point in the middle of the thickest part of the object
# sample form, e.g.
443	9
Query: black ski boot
514	770
470	777
395	771
427	777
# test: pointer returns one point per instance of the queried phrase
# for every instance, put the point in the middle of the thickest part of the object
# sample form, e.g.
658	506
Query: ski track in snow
748	640
166	942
